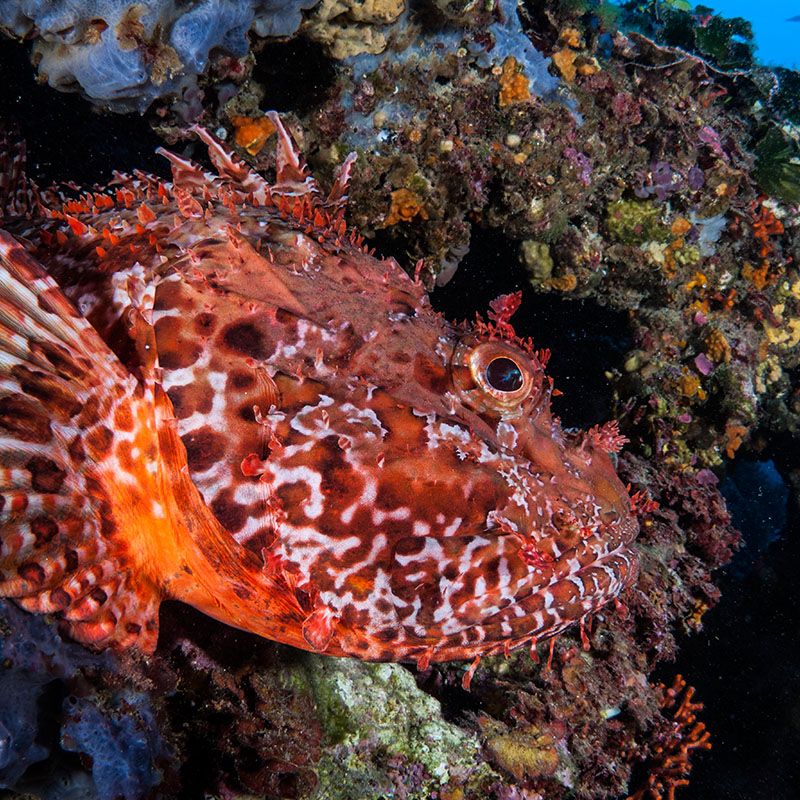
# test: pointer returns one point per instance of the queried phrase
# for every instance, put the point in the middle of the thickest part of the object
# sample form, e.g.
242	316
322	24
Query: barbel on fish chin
212	392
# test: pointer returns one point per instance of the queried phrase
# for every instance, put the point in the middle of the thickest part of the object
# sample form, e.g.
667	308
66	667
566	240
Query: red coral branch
607	437
670	766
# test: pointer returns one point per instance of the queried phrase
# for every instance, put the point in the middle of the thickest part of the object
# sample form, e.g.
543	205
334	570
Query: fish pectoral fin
80	509
99	517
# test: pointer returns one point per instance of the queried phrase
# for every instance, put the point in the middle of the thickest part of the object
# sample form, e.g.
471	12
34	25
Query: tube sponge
124	54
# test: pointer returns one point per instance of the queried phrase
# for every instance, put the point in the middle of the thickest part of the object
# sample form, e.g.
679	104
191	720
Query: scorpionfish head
422	498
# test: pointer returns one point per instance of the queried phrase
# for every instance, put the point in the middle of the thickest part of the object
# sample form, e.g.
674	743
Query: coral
683	255
669	766
581	163
569	60
376	107
19	724
123	55
781	331
279	18
660	180
523	751
252	132
537	259
115	732
514	86
405	206
785	97
734	436
353	27
121	737
510	40
725	42
367	709
776	168
244	709
717	346
709	231
765	225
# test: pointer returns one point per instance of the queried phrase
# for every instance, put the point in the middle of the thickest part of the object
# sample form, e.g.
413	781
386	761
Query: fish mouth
559	592
502	600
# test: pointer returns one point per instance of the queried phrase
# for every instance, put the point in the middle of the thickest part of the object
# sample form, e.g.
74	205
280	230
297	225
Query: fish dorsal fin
337	199
291	173
227	163
186	174
294	186
293	178
231	168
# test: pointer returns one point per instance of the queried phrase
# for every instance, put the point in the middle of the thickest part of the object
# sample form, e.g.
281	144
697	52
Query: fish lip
547	621
624	547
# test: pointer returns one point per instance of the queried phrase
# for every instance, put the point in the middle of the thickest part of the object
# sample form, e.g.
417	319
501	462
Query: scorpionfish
212	391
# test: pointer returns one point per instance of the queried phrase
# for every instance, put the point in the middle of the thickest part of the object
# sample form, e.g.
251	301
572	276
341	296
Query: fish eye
504	374
496	376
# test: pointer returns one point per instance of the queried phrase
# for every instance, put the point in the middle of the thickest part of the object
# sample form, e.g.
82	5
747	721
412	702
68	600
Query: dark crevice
301	88
585	339
66	140
743	667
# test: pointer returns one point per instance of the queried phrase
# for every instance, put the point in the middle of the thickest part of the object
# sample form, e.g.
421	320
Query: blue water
758	501
777	40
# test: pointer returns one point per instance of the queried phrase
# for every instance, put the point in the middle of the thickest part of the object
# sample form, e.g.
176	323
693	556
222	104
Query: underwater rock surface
375	714
56	700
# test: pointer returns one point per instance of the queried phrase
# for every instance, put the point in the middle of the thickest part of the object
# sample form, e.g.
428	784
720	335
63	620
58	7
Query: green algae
687	256
635	222
777	169
537	260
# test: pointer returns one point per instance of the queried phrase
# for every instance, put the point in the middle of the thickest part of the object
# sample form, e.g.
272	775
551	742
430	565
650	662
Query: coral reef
582	718
384	736
121	737
353	27
671	766
58	698
651	171
638	189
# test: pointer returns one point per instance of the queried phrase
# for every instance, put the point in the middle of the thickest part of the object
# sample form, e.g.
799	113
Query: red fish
211	391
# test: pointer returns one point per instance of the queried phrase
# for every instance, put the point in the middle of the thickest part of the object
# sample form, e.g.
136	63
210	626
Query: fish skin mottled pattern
284	433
